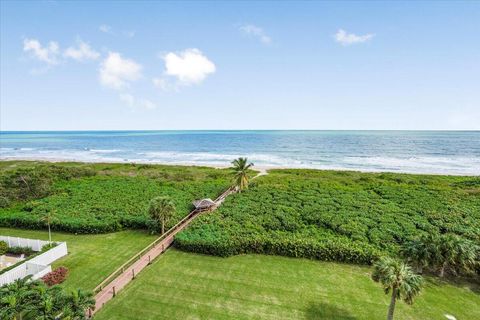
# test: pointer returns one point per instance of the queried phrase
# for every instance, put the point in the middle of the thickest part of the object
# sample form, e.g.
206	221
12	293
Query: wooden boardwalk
107	290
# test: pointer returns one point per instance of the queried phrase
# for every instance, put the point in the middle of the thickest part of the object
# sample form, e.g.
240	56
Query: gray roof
204	203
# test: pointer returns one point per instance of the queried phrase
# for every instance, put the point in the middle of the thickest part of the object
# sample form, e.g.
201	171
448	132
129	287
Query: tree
399	278
16	299
49	217
456	254
240	170
423	252
77	302
161	210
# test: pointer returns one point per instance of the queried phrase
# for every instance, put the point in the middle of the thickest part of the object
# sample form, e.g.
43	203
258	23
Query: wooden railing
139	255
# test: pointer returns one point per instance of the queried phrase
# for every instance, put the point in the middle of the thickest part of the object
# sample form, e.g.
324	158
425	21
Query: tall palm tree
161	210
48	217
399	278
240	169
78	302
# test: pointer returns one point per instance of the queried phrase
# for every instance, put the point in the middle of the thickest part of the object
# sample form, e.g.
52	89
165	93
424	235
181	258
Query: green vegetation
31	300
161	210
99	198
240	170
445	253
336	215
399	278
91	258
182	285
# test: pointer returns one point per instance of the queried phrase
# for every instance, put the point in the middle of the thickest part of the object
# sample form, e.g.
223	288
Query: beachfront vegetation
91	258
335	215
183	285
240	170
161	210
32	299
98	198
446	253
399	279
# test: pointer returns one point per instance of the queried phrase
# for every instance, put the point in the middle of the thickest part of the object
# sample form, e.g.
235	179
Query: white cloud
135	103
161	84
189	66
82	52
46	54
116	72
105	29
257	32
347	39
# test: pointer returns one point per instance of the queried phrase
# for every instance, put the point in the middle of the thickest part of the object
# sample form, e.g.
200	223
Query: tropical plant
16	298
422	252
161	210
48	217
456	254
240	170
399	278
78	301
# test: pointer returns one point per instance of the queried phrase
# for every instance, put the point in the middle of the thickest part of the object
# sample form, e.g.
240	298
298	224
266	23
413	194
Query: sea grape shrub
3	247
341	216
35	182
115	197
56	276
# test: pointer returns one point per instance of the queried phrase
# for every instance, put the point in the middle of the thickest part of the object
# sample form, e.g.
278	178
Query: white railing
35	244
37	266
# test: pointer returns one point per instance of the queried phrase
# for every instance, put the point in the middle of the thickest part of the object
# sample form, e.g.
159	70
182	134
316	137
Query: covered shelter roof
204	203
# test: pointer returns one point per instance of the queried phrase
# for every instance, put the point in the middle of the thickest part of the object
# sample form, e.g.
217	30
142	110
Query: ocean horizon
427	152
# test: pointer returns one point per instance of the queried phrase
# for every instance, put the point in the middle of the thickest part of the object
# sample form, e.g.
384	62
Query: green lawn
91	258
183	285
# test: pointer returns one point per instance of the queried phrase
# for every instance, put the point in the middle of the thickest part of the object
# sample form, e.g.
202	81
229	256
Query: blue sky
242	65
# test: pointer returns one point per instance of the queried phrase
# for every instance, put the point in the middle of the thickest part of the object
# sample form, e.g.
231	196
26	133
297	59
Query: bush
341	216
3	247
21	250
57	276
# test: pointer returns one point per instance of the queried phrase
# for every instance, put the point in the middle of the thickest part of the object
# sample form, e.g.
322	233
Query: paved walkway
111	289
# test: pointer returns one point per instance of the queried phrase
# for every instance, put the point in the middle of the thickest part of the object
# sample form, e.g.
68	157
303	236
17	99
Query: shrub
3	247
21	250
329	215
57	276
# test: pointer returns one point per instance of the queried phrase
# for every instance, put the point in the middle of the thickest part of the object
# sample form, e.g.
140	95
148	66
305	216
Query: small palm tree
399	278
78	302
240	169
456	254
161	210
49	217
16	299
422	252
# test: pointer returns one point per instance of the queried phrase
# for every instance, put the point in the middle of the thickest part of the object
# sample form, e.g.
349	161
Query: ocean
434	152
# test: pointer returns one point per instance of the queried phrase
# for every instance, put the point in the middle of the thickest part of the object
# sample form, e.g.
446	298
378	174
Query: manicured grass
91	258
182	285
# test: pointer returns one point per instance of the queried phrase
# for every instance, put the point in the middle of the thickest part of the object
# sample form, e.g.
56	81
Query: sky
149	65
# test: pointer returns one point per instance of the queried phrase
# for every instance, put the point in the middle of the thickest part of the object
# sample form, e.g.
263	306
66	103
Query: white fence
35	244
37	266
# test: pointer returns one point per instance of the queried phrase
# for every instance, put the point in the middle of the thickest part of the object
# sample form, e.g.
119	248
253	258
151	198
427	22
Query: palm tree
78	302
240	169
16	299
456	254
161	210
48	217
399	278
49	303
422	252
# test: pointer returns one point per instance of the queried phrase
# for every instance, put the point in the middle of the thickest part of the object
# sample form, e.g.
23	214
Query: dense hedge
109	198
343	216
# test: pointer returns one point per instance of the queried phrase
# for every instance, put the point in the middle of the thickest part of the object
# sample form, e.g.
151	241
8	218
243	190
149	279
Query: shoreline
263	169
